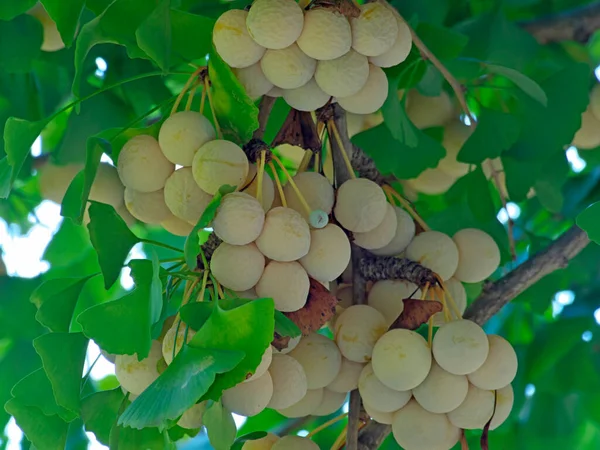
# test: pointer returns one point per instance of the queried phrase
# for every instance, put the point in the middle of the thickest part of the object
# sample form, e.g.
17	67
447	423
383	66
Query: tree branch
264	111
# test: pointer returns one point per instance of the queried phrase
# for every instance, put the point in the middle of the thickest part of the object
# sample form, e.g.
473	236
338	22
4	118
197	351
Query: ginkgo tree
363	224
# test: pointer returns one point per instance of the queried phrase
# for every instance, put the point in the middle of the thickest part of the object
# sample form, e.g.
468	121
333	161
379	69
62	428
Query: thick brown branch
264	111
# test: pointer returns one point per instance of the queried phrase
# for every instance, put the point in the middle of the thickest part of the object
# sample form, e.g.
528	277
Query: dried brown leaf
280	342
416	312
300	130
318	310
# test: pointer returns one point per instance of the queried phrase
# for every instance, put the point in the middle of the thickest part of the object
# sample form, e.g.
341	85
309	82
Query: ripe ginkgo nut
316	190
182	134
192	418
361	205
253	80
306	406
320	358
385	418
347	378
371	96
399	51
382	234
142	165
285	235
326	34
169	341
219	163
386	297
478	255
505	398
331	402
239	219
405	232
107	187
475	411
329	253
343	76
275	24
308	97
237	267
149	207
441	391
436	251
429	111
289	381
249	399
499	368
268	187
357	330
233	42
456	134
286	283
135	376
177	226
184	198
460	347
374	32
54	179
263	366
264	443
288	68
374	392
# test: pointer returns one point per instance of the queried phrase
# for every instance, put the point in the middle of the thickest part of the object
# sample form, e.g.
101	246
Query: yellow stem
424	292
340	439
186	86
294	185
326	424
260	174
212	107
338	140
188	105
317	162
439	294
203	288
447	293
220	291
202	101
278	183
406	205
305	161
189	287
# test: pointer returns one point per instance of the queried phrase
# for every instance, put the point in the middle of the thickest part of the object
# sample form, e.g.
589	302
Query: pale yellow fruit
263	366
306	406
456	134
182	134
371	96
169	341
286	283
326	34
382	234
218	163
268	188
401	359
308	97
347	378
253	80
292	344
429	111
374	392
239	219
478	255
375	30
233	42
249	399
475	411
415	428
505	398
54	180
331	402
249	294
294	443
289	381
142	165
441	391
320	358
285	235
288	68
107	187
52	40
237	267
386	297
125	215
275	92
399	51
329	253
177	226
405	232
275	24
436	251
316	190
183	196
344	295
264	443
192	418
459	295
595	101
432	182
499	368
357	330
588	135
378	416
361	205
149	207
460	347
135	376
343	76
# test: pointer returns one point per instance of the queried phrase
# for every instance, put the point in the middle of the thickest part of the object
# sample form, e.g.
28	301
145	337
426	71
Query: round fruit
265	443
286	283
378	416
285	235
107	187
192	418
460	347
386	297
182	134
500	367
459	295
332	402
456	134
54	180
399	51
316	190
142	165
233	42
239	220
275	92
149	207
254	80
329	253
347	378
326	34
375	30
320	358
169	341
441	392
436	251
344	295
415	428
176	226
357	330
343	76
475	411
263	366
478	255
289	381
432	182
125	215
248	399
405	232
429	111
588	135
374	392
183	196
305	407
288	68
308	97
135	376
294	443
217	163
382	234
505	398
292	344
52	41
401	359
361	205
275	23
237	267
268	188
371	96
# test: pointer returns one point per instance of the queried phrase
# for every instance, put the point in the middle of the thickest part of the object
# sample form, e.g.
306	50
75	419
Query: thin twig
264	111
510	223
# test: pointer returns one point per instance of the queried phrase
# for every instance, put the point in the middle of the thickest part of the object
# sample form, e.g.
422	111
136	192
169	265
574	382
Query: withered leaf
280	342
416	312
300	130
319	308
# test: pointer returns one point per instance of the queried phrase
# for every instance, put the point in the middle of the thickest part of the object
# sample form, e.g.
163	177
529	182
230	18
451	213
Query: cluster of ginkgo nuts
308	56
